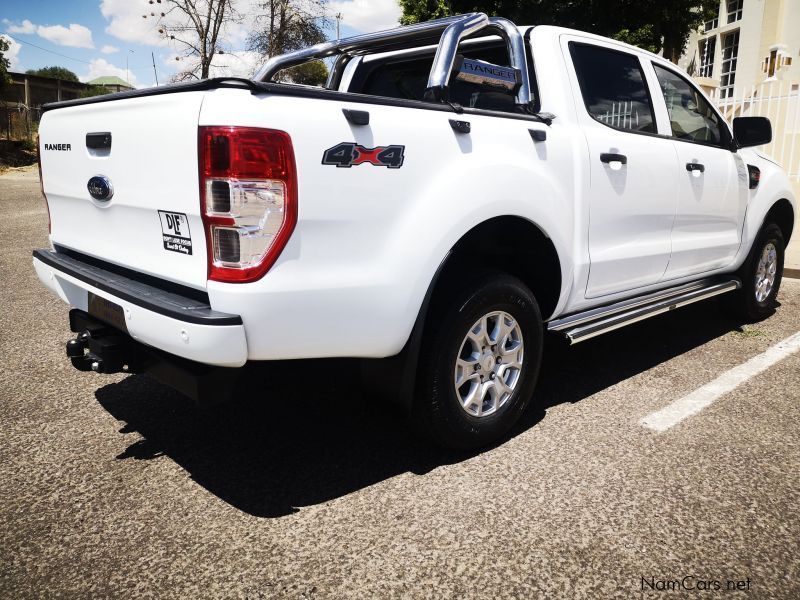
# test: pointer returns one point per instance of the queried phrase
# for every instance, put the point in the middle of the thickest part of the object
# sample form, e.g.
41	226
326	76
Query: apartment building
747	59
746	43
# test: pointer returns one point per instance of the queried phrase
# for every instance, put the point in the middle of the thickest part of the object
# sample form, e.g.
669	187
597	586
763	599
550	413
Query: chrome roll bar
448	47
447	33
446	53
516	55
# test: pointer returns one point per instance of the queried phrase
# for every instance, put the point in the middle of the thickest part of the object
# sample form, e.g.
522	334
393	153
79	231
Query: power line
86	62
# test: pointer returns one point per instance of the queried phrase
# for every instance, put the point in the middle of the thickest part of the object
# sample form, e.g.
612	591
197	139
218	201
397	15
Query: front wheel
761	276
479	364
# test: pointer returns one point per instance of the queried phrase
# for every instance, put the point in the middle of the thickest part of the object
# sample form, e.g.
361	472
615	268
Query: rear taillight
41	184
248	199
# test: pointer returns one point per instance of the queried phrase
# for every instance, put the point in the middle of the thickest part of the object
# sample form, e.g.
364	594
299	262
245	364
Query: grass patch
749	331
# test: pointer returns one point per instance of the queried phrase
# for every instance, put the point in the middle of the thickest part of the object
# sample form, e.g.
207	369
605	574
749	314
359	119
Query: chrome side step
597	321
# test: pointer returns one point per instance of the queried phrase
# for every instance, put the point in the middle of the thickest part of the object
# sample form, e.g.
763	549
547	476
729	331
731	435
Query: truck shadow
302	434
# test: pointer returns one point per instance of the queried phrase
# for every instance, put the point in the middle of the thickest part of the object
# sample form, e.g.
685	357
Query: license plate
107	311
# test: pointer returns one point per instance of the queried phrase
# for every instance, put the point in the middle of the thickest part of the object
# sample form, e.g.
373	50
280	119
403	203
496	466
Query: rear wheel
761	276
479	364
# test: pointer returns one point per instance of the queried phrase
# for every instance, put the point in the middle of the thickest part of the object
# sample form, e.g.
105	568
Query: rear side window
690	115
613	87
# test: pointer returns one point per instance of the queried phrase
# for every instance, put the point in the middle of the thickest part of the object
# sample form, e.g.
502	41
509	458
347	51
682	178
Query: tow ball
102	349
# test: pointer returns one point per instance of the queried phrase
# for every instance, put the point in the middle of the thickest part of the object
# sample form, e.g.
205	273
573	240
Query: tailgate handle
98	140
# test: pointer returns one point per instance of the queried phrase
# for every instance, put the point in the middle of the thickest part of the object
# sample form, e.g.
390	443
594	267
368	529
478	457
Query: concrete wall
33	91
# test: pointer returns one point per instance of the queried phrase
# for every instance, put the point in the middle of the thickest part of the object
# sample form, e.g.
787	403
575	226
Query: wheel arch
782	214
530	255
508	243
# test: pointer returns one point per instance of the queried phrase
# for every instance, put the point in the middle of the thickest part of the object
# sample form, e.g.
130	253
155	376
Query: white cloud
126	21
100	66
368	15
26	27
137	21
12	54
240	63
107	49
76	36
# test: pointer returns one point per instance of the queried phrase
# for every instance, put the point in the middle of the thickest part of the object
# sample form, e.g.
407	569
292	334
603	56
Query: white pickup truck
457	188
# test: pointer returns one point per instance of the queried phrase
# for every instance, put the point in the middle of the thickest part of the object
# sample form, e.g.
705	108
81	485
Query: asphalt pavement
114	486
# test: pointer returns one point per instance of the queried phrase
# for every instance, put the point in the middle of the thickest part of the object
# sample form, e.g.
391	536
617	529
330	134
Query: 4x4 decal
347	154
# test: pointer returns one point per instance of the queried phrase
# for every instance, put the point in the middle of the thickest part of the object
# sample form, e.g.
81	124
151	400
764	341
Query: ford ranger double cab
456	188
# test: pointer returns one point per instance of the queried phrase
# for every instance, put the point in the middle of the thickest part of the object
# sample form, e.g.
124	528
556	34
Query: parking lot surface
116	486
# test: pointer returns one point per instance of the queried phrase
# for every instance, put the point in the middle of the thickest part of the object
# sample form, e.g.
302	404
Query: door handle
694	166
608	157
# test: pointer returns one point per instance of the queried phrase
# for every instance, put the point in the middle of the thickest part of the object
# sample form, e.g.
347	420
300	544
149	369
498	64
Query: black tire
744	304
437	410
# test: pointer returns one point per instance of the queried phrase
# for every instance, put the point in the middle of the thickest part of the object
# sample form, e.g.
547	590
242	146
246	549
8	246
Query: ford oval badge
100	188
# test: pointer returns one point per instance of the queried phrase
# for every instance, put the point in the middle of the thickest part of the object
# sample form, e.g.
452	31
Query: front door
712	181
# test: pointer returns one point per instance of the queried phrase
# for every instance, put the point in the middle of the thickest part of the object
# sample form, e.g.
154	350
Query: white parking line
674	413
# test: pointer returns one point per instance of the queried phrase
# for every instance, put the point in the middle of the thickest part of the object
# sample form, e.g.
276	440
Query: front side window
735	10
613	87
690	115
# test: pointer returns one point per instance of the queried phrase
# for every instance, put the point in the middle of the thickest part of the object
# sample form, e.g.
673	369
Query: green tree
656	25
416	11
5	79
311	73
93	90
54	73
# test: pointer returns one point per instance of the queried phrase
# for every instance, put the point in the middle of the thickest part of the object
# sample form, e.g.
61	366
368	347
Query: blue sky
95	37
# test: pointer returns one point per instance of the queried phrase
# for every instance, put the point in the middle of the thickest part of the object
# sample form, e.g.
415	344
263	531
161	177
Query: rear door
633	192
712	180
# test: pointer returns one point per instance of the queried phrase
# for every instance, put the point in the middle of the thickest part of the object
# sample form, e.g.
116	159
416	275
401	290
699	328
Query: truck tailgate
151	223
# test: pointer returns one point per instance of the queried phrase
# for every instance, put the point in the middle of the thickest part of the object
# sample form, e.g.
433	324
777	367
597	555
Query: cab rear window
407	79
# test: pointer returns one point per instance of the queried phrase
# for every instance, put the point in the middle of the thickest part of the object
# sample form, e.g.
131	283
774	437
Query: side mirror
752	131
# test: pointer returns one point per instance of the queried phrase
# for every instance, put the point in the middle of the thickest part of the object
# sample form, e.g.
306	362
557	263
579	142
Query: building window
776	60
735	10
712	24
772	63
730	51
707	48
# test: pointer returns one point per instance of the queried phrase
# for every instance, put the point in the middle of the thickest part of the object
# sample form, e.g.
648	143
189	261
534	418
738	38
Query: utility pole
154	67
127	78
338	21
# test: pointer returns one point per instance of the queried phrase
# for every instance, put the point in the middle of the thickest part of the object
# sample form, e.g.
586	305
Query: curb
791	273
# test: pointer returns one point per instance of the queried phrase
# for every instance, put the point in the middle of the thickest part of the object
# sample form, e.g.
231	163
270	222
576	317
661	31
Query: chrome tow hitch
102	349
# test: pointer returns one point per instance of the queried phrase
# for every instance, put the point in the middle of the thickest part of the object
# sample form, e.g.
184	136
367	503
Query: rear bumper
155	316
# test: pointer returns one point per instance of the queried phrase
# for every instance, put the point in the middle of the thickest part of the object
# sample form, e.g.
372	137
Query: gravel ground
116	486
